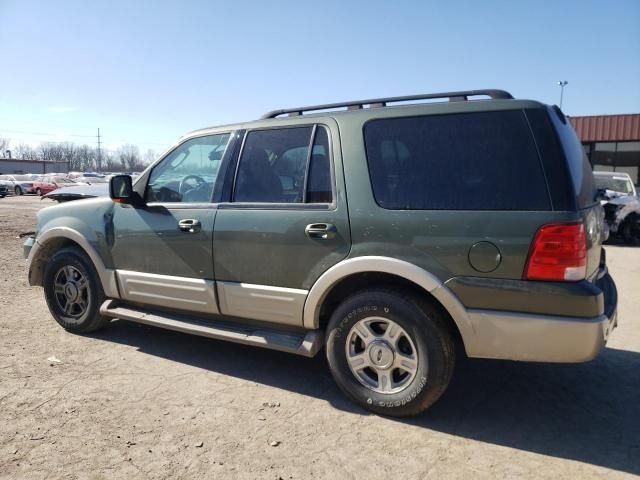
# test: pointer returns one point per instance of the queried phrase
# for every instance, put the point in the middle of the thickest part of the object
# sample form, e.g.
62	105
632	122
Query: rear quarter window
471	161
577	161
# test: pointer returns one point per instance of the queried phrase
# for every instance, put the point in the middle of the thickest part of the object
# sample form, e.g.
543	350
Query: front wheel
630	228
73	291
390	353
18	191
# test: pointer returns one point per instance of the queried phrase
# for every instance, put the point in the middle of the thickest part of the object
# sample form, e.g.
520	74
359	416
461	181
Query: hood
623	200
77	192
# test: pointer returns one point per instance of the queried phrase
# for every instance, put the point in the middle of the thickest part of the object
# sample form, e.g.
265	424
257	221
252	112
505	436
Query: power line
42	134
75	135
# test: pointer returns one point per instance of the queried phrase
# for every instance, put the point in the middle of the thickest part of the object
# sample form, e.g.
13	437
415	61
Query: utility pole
99	160
562	84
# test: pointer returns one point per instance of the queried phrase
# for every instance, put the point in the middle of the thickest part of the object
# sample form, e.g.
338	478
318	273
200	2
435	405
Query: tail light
558	252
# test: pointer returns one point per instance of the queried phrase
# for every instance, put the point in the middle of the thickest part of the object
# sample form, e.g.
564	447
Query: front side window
188	174
285	165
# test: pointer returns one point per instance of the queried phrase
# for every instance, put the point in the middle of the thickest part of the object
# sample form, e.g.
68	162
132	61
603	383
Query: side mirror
121	189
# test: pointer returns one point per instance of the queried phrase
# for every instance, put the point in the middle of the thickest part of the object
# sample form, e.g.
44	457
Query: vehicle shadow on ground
585	412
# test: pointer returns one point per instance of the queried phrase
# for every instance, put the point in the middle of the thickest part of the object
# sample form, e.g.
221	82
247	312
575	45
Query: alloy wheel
71	291
381	355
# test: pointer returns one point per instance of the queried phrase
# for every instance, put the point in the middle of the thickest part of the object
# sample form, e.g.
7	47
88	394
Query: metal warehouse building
12	166
612	142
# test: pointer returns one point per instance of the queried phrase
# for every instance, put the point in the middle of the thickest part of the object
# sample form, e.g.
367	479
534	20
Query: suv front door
163	250
284	223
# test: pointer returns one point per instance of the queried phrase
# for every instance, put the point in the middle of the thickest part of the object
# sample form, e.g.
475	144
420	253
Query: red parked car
44	185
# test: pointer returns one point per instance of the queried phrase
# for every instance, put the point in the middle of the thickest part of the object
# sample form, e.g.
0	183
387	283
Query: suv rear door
284	221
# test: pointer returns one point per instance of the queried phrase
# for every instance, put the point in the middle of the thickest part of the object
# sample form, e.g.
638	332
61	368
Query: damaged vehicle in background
621	204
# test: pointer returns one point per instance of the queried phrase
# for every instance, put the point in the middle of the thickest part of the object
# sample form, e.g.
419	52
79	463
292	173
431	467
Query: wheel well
45	253
367	280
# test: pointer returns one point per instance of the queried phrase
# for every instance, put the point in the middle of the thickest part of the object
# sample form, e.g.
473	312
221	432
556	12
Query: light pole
562	84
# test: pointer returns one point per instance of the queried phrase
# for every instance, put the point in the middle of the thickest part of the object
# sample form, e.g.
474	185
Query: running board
305	343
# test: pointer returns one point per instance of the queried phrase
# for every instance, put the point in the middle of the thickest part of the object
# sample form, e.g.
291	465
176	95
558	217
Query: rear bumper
543	338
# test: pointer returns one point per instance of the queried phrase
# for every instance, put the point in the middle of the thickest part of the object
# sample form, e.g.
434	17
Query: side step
301	343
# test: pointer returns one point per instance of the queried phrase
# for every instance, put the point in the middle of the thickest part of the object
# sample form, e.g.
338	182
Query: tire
18	191
38	192
630	231
73	291
424	334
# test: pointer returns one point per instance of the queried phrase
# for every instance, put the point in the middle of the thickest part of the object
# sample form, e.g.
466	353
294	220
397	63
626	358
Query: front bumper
543	338
27	246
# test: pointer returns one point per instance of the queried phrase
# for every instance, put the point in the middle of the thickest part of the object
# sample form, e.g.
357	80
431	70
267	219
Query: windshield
616	183
23	178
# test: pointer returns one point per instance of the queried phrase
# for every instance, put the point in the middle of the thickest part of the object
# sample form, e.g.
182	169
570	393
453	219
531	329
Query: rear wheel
390	353
73	291
18	190
38	192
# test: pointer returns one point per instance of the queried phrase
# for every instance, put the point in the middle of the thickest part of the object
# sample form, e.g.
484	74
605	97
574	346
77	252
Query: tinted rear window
471	161
577	161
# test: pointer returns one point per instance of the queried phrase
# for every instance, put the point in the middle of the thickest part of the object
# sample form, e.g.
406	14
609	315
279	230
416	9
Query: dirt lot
138	402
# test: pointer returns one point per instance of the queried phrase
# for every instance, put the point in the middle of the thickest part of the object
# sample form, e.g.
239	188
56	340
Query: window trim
398	117
307	167
229	203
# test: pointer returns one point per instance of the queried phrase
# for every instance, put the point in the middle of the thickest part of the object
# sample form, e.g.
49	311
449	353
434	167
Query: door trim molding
262	302
181	293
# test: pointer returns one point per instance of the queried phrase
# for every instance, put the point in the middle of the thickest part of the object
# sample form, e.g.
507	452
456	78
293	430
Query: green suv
396	233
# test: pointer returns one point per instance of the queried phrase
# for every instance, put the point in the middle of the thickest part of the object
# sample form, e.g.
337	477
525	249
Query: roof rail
382	102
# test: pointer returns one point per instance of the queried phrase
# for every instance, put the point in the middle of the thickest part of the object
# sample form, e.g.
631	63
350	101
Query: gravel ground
138	402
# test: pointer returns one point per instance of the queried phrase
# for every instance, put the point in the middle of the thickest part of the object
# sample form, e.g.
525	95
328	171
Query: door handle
189	225
322	231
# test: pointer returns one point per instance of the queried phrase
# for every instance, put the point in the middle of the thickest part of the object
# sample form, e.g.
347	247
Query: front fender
86	226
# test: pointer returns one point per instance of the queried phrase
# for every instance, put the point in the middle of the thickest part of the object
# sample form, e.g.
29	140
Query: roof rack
383	102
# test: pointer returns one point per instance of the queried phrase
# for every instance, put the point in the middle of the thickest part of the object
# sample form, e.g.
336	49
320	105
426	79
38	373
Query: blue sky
146	72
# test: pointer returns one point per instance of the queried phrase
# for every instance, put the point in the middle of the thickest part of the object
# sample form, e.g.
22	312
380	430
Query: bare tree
129	156
149	157
109	162
82	157
4	146
25	152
